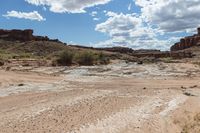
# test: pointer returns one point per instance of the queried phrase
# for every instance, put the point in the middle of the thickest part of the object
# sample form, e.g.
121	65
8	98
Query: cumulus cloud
171	15
119	24
94	13
70	6
159	24
129	30
25	15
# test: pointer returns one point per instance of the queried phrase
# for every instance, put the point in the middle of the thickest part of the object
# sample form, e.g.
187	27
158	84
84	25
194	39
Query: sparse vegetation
87	58
167	60
103	59
197	63
53	52
65	58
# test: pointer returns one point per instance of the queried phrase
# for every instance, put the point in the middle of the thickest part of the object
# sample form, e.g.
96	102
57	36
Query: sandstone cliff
187	42
22	36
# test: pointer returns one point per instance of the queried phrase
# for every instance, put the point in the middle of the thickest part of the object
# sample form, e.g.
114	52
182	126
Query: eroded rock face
187	42
22	35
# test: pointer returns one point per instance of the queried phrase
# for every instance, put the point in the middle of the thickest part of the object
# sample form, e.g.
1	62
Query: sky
138	24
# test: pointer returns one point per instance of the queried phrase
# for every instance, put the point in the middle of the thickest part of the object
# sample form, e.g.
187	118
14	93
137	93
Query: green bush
65	58
85	58
103	59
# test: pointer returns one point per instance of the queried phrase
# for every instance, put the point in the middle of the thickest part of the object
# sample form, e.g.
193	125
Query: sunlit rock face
187	42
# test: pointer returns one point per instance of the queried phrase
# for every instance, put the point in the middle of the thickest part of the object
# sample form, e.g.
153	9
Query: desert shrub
1	62
103	59
196	63
65	58
22	55
167	60
86	58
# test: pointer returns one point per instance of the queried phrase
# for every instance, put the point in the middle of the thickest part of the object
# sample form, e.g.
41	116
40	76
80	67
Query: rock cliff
22	36
187	42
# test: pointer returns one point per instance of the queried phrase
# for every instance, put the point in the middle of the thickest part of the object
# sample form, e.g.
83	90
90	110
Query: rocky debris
184	88
187	42
175	55
140	62
1	63
188	94
22	36
21	84
194	86
26	63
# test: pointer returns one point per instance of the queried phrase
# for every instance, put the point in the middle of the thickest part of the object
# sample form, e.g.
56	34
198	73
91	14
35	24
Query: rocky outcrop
187	42
123	50
174	55
143	53
22	36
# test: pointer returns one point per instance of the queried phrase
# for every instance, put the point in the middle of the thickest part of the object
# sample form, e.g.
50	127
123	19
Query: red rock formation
22	35
187	42
198	30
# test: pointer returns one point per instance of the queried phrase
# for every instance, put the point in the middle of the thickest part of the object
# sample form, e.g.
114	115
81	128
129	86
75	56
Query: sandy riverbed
118	98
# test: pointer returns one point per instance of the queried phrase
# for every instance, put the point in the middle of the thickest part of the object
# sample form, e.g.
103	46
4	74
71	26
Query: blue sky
137	24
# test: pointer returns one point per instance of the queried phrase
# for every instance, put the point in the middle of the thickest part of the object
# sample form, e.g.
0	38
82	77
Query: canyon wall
22	36
187	42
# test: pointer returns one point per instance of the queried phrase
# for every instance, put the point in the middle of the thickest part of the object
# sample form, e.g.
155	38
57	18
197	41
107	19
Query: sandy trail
109	99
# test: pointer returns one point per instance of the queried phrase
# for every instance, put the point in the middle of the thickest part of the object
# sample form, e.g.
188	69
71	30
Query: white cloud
129	30
94	13
119	24
160	24
171	15
25	15
129	6
104	11
70	6
96	19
